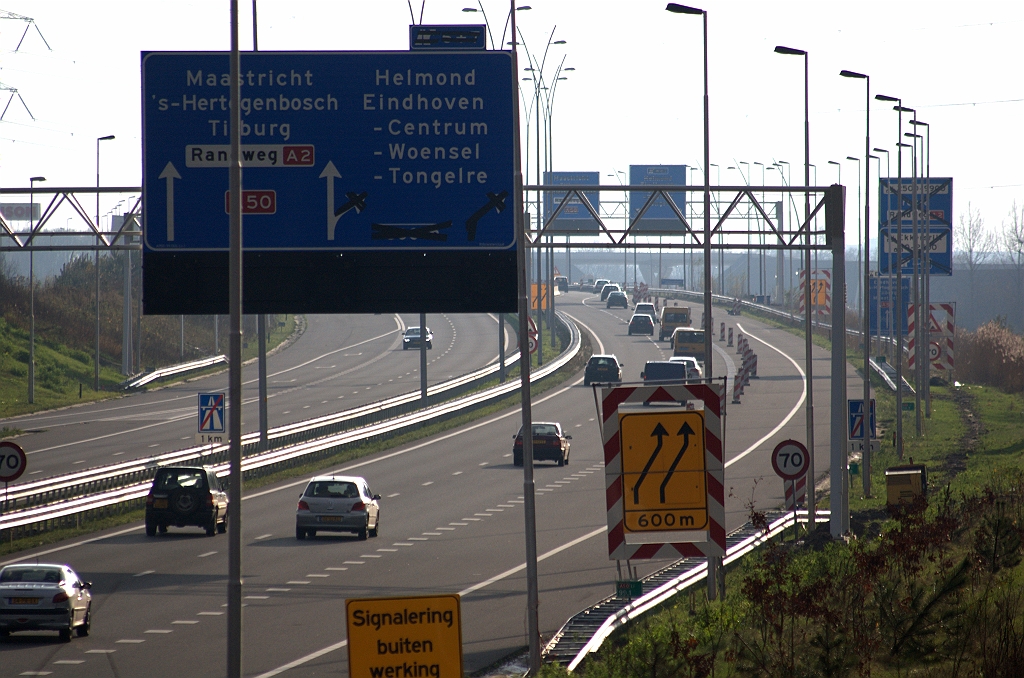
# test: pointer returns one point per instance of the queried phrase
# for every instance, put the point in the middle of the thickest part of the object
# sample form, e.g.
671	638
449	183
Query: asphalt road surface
338	362
451	522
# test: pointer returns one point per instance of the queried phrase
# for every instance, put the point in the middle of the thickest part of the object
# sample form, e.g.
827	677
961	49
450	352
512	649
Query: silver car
337	504
44	598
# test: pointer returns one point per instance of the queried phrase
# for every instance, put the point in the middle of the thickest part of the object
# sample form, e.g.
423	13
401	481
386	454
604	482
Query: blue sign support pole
234	659
529	496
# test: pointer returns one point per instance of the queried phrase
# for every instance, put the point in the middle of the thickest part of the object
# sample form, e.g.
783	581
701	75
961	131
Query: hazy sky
634	98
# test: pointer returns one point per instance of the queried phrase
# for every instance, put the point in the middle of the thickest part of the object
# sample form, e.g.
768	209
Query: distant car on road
337	504
599	285
641	323
608	289
186	495
44	597
646	308
602	369
413	337
549	443
562	283
587	285
664	370
693	368
617	299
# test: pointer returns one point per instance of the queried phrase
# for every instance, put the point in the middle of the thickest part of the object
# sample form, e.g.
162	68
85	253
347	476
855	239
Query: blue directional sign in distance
659	215
211	413
574	215
340	151
372	182
882	301
934	222
855	429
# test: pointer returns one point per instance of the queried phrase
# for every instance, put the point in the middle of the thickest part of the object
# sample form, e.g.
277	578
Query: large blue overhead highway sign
371	181
573	215
659	215
934	223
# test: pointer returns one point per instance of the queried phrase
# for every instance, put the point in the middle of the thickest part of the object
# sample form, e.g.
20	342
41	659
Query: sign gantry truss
45	232
748	211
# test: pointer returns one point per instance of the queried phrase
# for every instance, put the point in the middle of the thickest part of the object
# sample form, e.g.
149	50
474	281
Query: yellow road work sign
398	637
819	292
663	483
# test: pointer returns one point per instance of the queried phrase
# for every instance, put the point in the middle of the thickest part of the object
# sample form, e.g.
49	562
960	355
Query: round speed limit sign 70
790	459
12	462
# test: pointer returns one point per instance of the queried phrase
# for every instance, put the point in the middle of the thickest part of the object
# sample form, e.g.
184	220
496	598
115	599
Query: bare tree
976	245
1011	242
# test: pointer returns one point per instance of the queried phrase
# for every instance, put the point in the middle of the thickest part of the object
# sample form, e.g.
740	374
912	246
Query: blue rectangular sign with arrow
934	223
383	159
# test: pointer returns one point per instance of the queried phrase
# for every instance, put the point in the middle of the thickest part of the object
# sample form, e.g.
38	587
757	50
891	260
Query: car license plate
539	441
160	503
330	519
24	601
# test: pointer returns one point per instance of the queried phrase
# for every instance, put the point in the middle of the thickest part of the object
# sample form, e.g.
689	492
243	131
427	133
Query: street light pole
888	345
927	255
864	299
32	291
808	344
920	311
96	371
714	564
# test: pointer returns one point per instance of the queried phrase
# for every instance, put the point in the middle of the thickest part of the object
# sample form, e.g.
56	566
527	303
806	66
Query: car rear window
657	371
173	479
542	430
603	362
32	574
332	488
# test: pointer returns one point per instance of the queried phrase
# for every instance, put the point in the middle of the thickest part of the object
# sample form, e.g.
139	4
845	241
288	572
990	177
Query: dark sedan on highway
602	369
549	443
641	323
617	299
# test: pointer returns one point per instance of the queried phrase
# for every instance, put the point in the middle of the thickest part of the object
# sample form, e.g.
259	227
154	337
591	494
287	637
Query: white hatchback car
44	597
693	369
337	504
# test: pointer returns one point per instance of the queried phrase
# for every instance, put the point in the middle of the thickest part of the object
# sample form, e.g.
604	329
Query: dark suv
186	495
602	369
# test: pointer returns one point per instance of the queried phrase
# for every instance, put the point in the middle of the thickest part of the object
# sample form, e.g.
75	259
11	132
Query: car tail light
358	506
209	499
303	506
149	498
60	597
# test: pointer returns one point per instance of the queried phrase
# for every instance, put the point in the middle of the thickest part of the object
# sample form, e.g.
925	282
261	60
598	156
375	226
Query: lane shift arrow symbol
331	173
659	431
356	201
170	173
495	201
686	432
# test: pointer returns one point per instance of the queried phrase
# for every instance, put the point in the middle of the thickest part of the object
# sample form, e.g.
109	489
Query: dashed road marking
495	510
446	529
130	641
144	573
389	550
185	622
349	562
277	589
429	482
318	576
257	597
205	555
159	631
484	463
263	536
297	582
401	543
100	651
117	454
209	614
485	515
368	555
457	473
432	534
418	539
155	445
475	520
335	569
393	494
516	501
459	524
70	662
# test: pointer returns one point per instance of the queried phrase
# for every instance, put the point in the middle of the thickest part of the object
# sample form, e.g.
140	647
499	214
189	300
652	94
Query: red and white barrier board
642	540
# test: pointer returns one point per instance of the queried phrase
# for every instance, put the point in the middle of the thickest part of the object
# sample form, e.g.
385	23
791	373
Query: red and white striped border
713	395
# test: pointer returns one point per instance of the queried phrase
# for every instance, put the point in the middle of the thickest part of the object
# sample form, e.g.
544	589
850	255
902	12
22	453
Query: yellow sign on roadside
539	299
664	489
819	292
397	637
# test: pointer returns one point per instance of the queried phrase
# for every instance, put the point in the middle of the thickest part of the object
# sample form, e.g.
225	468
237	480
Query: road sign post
12	464
212	418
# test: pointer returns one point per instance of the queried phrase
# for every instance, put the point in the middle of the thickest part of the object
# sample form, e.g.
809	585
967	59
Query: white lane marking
159	631
484	463
459	524
275	589
206	555
432	534
551	486
155	445
483	515
429	482
32	473
79	462
347	562
130	641
296	582
476	587
401	543
335	569
389	550
100	651
287	412
507	455
417	539
368	555
494	510
393	494
144	573
318	576
475	520
185	622
257	597
37	673
117	454
513	501
457	473
70	662
792	412
506	505
446	529
209	614
263	536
